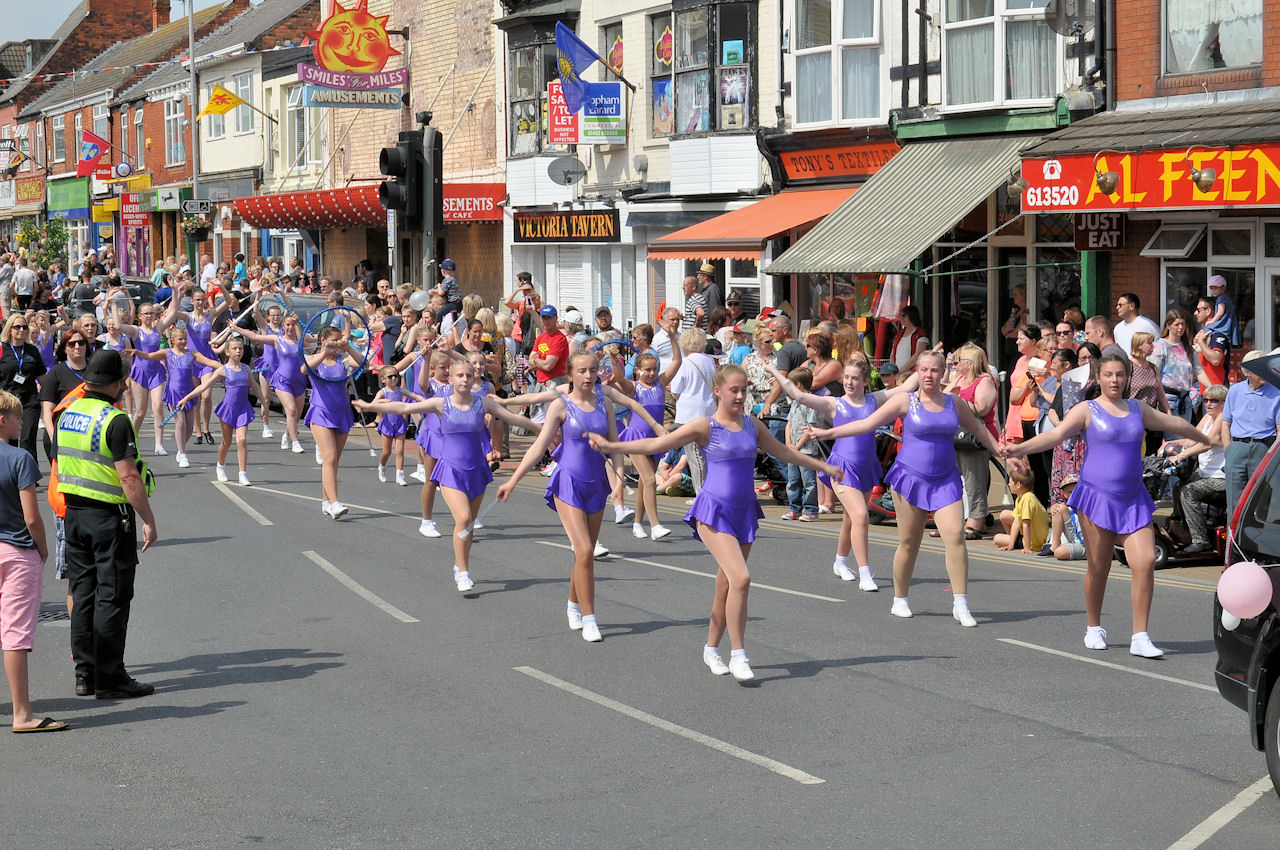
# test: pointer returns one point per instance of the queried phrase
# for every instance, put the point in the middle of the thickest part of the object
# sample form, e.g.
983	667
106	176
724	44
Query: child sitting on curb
1028	521
1066	541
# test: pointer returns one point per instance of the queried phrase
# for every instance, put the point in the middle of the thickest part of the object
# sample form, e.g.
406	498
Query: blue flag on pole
573	56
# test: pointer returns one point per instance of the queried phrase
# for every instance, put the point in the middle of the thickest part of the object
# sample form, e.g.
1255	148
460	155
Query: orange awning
740	234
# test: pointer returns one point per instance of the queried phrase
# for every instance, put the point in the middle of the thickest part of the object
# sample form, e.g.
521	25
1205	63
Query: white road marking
675	729
382	511
358	589
1190	684
711	576
242	504
1223	816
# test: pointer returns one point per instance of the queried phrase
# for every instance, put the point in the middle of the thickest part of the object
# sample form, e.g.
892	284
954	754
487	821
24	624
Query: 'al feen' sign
599	226
602	121
1248	176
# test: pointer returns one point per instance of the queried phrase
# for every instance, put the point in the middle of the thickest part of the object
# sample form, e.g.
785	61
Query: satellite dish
566	170
1070	17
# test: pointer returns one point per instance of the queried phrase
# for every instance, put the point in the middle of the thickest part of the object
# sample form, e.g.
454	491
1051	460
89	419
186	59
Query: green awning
905	207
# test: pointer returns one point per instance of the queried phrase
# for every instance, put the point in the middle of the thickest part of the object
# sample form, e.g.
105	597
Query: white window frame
297	137
23	138
1194	233
998	21
1165	17
175	112
102	120
140	138
215	125
27	166
59	138
79	126
836	49
244	91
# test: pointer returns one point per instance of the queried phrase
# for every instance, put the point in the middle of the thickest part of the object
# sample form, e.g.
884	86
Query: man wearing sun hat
709	288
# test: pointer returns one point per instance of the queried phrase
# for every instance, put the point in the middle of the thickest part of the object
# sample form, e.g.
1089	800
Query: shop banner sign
1247	176
844	162
30	191
599	226
351	48
69	198
133	212
474	201
601	121
8	194
319	96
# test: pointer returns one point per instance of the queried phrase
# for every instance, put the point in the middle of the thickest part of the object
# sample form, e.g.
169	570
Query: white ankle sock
588	618
738	653
864	572
842	560
960	599
901	599
575	607
711	650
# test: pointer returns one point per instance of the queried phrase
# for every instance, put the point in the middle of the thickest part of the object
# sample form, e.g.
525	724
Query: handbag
967	441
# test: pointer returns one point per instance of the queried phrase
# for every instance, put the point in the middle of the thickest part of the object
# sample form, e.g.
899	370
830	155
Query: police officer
106	486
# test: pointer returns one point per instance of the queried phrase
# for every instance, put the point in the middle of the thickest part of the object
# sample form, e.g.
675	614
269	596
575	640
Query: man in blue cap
449	290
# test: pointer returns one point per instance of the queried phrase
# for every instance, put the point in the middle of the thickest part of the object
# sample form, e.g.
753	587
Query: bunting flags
221	101
92	147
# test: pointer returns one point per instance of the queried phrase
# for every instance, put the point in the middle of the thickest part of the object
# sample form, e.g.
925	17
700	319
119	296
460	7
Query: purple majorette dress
46	350
462	465
288	376
181	378
198	333
653	400
409	378
147	373
579	478
727	501
1111	493
330	406
429	431
856	456
926	472
234	409
266	364
486	439
393	424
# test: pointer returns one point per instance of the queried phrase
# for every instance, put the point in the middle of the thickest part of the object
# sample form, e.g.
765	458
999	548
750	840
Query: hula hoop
312	329
600	345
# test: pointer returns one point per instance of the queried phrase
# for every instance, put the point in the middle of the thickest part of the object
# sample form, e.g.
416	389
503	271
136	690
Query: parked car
1248	668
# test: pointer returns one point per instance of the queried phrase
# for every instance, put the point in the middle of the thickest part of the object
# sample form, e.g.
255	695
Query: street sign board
199	206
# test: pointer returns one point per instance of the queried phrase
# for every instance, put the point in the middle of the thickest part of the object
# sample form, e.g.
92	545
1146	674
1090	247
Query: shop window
1174	241
998	51
1057	282
215	126
611	47
837	61
59	137
531	69
1055	228
244	91
1230	242
1201	36
1186	283
175	147
101	122
1271	239
706	78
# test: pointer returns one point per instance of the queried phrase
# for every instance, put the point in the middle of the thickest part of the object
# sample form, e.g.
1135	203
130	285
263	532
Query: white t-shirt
692	386
207	275
1125	330
24	282
661	347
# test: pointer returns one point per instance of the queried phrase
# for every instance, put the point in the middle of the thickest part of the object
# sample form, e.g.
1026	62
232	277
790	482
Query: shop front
472	231
1187	193
340	227
19	199
222	189
582	258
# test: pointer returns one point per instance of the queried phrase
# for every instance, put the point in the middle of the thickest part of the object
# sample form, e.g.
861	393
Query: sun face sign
352	41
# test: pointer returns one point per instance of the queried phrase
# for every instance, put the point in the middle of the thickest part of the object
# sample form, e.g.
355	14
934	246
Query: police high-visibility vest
85	467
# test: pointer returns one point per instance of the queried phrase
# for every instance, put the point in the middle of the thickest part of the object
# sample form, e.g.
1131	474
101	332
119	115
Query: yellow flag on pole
221	101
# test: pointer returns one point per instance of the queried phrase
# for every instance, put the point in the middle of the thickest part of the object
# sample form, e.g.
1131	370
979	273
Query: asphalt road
323	684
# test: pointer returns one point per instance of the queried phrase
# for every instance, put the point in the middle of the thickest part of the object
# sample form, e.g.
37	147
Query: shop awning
326	209
740	234
911	201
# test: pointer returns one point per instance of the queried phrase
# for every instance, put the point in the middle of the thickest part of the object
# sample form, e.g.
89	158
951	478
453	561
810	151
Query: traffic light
433	179
403	192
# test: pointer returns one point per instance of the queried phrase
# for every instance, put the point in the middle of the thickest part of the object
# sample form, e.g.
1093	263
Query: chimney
159	13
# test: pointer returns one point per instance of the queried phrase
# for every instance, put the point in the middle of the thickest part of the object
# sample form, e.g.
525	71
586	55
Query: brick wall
1133	273
474	247
1139	40
342	250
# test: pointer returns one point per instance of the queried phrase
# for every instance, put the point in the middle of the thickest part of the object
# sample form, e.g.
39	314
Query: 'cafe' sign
1247	176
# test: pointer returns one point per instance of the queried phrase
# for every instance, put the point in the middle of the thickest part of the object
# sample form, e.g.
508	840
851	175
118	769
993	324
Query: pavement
323	684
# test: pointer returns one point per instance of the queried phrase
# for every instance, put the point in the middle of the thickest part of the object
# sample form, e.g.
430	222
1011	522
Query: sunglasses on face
19	327
72	342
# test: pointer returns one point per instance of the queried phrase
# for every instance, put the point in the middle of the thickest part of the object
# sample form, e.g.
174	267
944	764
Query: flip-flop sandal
47	725
972	534
935	533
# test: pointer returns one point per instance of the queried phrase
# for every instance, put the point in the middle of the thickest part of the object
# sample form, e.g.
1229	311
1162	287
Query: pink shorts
21	581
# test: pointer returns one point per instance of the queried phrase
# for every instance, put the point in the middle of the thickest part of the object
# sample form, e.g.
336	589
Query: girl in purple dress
726	512
392	426
181	364
650	391
1111	500
147	377
925	477
234	411
461	473
411	367
856	456
265	365
433	382
287	378
329	414
199	324
579	486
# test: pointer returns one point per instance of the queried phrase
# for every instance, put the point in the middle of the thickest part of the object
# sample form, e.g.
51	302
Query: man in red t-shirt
1212	347
550	356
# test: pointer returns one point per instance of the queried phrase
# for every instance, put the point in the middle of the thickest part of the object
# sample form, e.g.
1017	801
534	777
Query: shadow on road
227	668
812	667
188	541
144	710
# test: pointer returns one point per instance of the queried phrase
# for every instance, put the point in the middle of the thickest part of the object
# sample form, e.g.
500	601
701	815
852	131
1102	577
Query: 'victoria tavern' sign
597	226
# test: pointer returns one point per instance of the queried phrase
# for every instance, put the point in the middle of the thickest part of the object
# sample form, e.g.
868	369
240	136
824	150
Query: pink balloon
1245	589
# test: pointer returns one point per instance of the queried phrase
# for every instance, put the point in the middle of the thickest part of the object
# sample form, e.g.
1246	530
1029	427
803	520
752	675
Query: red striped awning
325	209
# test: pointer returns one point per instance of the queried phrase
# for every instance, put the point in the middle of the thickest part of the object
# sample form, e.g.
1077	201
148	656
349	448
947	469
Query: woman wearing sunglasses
20	368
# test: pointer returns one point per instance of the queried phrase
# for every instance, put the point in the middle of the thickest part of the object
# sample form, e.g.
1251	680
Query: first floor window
215	126
244	91
702	69
996	51
59	138
531	69
140	138
837	60
175	148
304	145
101	123
1201	35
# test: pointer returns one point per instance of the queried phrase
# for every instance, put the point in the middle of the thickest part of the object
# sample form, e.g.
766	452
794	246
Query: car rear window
1259	531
